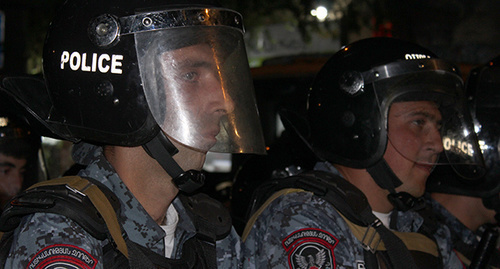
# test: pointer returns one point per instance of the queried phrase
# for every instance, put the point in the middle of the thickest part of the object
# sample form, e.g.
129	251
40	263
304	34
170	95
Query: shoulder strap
92	207
344	196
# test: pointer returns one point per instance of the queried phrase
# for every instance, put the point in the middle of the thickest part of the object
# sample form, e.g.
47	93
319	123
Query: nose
434	140
222	101
228	103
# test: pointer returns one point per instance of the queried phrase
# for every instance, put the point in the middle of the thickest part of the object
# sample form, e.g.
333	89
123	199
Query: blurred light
477	128
217	162
466	133
483	146
320	13
50	141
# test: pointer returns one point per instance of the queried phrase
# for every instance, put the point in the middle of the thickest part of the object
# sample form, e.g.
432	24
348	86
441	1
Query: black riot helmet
17	140
131	73
350	99
483	97
16	137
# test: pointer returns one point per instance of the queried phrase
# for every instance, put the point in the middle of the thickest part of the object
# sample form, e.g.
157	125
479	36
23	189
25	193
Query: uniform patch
62	257
310	249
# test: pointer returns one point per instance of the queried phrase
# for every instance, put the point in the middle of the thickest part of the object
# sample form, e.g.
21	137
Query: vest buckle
371	239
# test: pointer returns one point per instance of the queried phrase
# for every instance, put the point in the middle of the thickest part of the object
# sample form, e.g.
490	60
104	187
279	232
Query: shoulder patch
62	256
310	248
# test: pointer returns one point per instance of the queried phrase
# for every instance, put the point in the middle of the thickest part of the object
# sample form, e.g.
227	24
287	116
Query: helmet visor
485	105
428	122
198	87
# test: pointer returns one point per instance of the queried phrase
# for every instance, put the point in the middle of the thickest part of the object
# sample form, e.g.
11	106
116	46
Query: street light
320	13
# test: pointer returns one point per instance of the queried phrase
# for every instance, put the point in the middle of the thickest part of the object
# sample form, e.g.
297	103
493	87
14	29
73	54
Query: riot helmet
483	99
130	72
350	98
18	141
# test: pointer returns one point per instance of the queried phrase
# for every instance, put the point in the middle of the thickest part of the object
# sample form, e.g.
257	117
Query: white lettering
85	67
103	68
415	56
94	62
457	146
102	63
64	58
115	64
74	61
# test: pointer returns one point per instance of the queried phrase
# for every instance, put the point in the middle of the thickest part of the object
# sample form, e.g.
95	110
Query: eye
190	76
419	122
4	171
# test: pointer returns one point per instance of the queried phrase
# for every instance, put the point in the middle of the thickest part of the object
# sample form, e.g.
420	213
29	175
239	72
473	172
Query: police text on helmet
415	56
458	146
94	62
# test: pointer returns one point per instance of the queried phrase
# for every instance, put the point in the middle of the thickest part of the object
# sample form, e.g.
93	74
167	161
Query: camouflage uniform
301	230
464	240
42	235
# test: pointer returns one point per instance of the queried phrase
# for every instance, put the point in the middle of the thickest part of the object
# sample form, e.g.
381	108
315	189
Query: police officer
18	156
144	89
471	209
377	111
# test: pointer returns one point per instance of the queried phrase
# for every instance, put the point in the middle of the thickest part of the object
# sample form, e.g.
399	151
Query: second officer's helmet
118	72
350	99
483	98
18	140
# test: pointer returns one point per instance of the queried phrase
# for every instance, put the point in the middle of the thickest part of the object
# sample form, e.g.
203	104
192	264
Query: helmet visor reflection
198	86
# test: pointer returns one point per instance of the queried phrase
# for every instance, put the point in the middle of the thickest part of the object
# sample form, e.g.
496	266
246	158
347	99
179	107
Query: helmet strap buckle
162	150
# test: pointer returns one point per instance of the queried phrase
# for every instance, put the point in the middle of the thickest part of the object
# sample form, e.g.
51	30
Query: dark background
464	31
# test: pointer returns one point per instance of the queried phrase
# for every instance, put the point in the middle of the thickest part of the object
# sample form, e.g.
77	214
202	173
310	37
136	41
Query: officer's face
200	100
11	176
414	143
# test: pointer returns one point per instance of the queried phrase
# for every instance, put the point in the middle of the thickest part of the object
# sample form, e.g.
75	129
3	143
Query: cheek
392	156
396	161
406	144
12	184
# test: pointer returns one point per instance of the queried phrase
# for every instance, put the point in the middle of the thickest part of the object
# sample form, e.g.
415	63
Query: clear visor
198	86
427	119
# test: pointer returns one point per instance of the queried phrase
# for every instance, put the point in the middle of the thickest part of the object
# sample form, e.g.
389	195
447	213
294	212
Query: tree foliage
351	14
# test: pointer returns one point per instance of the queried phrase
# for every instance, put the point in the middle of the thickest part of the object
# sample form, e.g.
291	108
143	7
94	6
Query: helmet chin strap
162	150
386	179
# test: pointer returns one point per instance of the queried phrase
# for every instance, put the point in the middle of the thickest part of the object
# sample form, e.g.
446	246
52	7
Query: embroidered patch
62	257
310	249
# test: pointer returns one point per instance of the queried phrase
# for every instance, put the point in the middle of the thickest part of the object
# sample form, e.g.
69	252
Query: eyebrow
9	164
425	114
195	63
